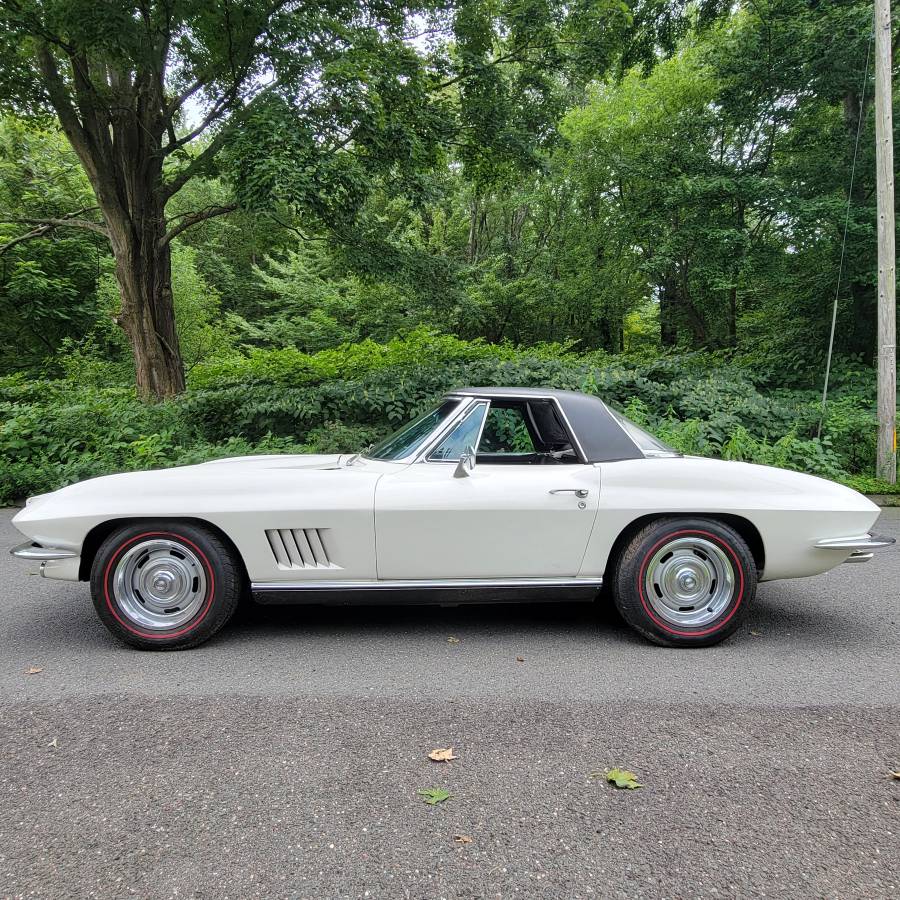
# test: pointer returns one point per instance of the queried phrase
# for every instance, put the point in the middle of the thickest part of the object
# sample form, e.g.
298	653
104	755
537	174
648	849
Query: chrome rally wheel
685	582
159	585
689	581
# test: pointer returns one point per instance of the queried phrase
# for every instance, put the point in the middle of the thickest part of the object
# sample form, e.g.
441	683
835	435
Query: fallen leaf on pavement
433	796
35	670
53	743
452	640
462	839
894	775
755	633
442	754
520	659
621	778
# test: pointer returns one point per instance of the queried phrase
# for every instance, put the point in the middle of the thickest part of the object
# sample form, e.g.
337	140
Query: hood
198	477
197	474
238	484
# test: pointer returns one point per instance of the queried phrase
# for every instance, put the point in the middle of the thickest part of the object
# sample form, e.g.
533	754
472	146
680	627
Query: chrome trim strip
30	550
425	583
857	542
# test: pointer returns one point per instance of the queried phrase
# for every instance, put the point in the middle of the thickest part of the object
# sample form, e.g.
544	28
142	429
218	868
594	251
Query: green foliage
615	198
54	432
47	288
290	366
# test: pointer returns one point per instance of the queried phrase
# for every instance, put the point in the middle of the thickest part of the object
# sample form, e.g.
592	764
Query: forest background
252	227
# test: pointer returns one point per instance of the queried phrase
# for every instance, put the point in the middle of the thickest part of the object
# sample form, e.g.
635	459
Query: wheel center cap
687	580
163	582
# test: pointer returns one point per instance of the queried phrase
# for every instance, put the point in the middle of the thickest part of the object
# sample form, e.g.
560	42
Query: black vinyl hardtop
599	435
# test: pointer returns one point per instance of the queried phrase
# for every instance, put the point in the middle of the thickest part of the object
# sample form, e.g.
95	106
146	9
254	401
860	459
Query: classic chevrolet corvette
495	494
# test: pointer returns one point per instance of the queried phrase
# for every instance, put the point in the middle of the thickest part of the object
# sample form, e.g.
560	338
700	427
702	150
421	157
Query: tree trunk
668	311
697	325
732	316
119	143
475	222
741	227
144	274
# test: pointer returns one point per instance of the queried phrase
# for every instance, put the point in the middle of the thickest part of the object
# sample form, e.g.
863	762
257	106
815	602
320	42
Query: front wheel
165	586
685	582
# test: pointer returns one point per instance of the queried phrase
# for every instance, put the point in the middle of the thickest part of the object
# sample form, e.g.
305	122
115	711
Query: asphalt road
284	758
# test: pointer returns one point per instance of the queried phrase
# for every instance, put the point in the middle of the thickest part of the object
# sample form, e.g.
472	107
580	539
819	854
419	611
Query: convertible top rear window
649	444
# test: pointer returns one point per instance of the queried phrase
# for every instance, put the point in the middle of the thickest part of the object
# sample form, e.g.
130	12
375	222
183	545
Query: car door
517	514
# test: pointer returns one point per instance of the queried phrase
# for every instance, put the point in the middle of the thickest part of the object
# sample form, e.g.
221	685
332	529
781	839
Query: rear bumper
859	548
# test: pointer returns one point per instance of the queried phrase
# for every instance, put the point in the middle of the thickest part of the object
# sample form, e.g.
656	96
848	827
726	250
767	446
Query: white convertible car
495	494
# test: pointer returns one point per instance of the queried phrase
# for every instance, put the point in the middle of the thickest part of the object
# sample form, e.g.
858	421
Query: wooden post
886	467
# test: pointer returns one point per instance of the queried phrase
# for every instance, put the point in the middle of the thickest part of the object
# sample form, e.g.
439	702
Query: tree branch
513	55
202	80
45	226
219	109
177	102
30	235
59	98
292	228
188	220
195	165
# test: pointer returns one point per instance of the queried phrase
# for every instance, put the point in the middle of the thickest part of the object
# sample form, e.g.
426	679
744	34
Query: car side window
463	435
505	432
525	432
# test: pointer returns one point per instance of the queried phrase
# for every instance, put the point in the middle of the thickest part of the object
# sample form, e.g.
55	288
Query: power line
837	288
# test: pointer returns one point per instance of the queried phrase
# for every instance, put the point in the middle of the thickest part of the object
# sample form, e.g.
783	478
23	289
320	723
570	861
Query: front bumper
30	550
860	547
55	561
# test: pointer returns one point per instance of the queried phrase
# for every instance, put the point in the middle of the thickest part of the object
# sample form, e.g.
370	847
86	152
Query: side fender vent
300	548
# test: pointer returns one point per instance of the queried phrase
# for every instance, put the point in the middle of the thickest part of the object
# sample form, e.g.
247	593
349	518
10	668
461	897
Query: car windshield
647	443
410	437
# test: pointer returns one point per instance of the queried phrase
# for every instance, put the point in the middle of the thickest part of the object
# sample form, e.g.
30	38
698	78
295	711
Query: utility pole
887	272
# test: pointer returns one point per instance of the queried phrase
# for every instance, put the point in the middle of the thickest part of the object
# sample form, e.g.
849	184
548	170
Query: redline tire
160	585
685	582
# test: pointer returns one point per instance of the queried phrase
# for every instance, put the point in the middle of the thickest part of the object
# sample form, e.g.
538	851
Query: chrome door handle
578	492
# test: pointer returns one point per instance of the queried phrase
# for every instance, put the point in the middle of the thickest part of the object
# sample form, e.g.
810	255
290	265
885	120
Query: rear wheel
165	586
685	582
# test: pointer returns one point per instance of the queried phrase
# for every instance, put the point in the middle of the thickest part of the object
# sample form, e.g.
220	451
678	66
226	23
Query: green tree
47	288
313	102
121	78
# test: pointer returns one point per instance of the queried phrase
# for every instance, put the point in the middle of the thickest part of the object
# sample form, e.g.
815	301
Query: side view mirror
466	463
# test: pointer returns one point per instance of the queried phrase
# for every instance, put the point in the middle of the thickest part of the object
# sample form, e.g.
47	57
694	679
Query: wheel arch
99	533
744	527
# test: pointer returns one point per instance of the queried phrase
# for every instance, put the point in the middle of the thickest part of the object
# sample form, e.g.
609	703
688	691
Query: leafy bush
56	431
